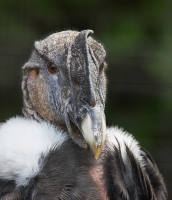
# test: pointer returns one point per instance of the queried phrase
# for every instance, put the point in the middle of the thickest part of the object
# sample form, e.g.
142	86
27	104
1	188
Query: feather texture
38	161
22	143
131	172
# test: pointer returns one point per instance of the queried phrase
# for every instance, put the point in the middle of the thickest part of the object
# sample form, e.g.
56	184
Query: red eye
52	68
101	68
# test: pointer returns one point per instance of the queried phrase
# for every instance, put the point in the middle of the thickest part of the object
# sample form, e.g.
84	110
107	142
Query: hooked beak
93	128
91	124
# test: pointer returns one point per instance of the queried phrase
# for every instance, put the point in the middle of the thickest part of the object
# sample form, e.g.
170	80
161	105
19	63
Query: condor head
64	83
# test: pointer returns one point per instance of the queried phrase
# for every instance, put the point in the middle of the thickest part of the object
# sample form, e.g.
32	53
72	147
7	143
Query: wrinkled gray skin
74	97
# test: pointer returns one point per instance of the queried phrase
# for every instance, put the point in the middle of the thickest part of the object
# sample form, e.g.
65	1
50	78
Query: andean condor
62	149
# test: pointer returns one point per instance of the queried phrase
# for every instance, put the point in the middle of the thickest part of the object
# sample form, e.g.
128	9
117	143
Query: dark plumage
63	171
54	167
64	84
131	180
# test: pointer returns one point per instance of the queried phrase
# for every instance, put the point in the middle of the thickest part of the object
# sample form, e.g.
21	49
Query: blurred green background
137	36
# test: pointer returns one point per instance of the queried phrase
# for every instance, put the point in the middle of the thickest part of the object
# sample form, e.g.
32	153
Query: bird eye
101	68
52	68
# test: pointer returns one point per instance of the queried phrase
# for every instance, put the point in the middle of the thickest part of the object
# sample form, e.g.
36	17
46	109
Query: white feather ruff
120	139
22	142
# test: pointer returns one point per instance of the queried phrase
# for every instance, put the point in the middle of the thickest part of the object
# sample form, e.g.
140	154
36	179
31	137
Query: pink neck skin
97	175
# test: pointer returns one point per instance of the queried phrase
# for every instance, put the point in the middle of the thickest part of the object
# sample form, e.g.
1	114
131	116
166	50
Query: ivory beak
93	129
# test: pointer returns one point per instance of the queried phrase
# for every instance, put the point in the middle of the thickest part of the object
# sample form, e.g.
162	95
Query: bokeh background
137	36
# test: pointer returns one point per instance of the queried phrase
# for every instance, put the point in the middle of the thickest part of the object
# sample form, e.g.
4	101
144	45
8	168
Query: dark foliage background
138	38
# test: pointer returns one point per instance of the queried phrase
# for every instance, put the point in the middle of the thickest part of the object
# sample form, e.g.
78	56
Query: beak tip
96	156
97	151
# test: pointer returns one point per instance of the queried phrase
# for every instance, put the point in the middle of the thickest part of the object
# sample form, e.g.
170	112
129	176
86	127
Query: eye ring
101	68
52	68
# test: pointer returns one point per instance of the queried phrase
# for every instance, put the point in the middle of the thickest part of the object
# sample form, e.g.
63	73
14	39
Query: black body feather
65	175
131	180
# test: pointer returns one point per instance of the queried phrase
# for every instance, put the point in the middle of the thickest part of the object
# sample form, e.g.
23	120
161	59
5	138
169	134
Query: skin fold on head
64	83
